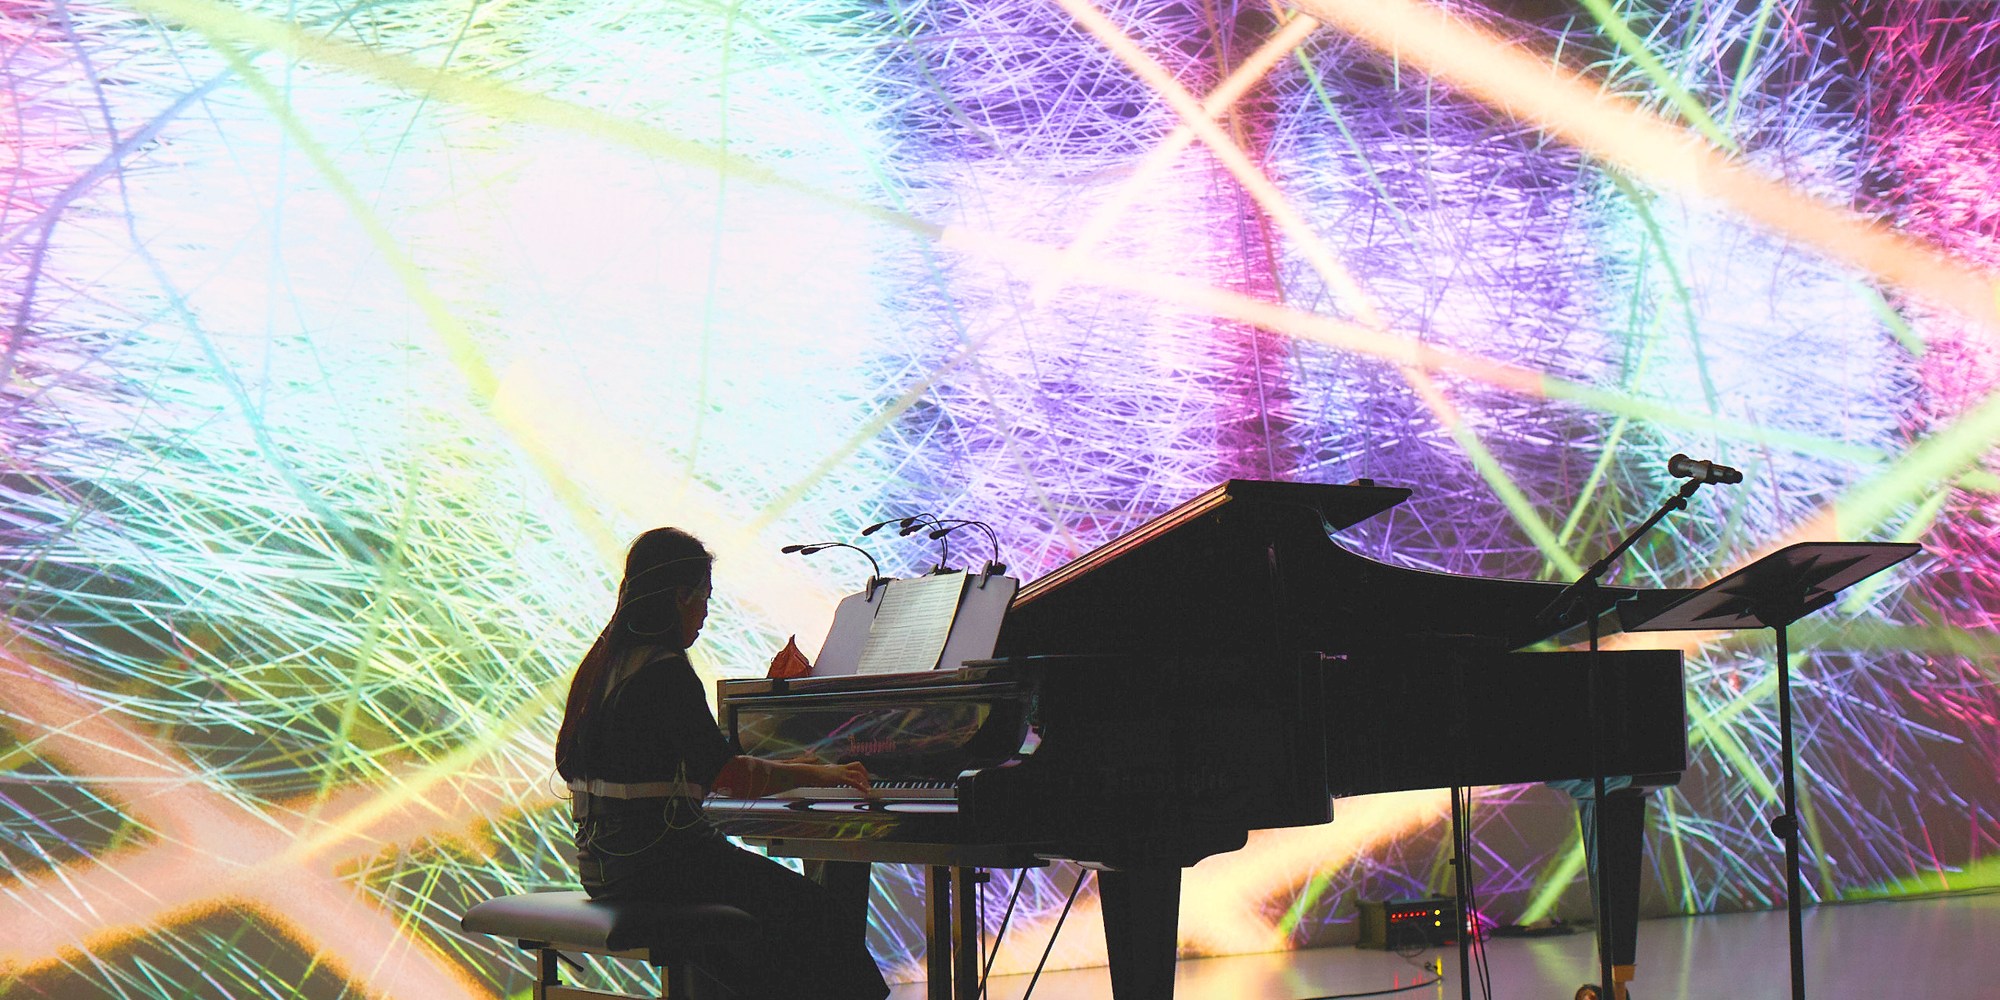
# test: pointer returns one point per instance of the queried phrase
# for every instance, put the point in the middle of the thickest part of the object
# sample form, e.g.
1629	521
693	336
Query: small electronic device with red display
1404	924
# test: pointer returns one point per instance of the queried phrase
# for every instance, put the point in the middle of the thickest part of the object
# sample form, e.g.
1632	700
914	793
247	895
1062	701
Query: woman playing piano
639	748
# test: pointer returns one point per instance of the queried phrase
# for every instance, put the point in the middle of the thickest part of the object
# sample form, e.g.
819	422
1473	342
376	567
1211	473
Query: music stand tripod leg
1786	825
1778	589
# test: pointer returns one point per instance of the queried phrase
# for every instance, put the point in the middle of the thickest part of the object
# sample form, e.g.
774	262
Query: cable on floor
1081	875
1436	969
986	970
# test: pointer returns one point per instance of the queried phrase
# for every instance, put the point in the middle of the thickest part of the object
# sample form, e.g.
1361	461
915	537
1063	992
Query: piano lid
1253	564
1338	507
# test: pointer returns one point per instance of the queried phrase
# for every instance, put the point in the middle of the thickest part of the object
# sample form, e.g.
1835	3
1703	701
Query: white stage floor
1947	947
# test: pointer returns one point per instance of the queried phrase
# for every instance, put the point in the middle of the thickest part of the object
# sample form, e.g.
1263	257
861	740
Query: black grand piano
1226	667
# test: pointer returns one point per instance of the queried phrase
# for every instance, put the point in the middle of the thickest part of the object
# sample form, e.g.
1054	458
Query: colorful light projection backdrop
347	343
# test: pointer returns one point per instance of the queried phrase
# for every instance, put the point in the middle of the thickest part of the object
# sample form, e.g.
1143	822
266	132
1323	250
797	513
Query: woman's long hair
662	566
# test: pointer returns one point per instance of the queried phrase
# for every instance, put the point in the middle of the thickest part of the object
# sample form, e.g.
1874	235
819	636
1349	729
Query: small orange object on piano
790	662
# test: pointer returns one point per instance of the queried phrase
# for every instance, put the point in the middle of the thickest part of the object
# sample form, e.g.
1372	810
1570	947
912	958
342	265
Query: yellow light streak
782	590
1228	902
593	449
508	103
1230	155
1690	168
1032	259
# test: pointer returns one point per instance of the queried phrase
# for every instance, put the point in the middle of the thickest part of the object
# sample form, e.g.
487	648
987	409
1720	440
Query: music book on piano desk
910	629
918	624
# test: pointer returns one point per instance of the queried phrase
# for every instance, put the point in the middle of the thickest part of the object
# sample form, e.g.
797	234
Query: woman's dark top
650	723
653	723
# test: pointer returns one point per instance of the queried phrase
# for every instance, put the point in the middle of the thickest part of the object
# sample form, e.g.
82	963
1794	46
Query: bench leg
548	972
677	980
549	984
677	975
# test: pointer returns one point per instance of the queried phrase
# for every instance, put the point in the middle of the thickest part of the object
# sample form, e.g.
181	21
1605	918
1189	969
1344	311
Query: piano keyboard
880	790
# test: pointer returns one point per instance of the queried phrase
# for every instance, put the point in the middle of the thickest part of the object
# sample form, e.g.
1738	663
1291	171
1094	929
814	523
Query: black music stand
1772	593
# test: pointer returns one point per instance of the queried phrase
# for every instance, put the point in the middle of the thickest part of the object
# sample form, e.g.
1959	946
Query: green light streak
1861	595
508	103
1983	873
1982	648
1309	894
1340	123
1750	52
1811	836
1641	204
1555	880
1713	727
498	100
1940	458
1519	507
1894	320
1670	813
1628	41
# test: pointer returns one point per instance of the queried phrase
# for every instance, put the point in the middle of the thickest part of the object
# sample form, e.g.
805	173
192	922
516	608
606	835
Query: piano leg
1142	910
965	932
951	932
1614	871
937	933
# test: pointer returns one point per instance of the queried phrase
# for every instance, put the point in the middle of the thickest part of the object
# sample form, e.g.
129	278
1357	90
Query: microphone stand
1588	597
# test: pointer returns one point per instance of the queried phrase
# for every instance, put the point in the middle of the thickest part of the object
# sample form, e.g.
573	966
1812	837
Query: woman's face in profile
694	611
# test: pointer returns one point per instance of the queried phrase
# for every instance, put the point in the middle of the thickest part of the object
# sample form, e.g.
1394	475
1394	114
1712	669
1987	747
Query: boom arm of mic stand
1586	592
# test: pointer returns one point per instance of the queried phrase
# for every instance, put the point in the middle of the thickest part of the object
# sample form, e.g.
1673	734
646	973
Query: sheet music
909	633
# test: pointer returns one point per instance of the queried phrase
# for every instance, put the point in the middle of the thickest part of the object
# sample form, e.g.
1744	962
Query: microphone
809	548
879	525
1683	467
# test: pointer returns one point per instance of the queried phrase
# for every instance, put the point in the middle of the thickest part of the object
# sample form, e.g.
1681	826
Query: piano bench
670	937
